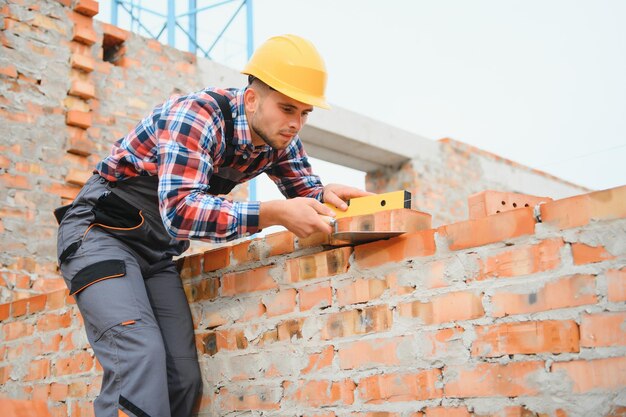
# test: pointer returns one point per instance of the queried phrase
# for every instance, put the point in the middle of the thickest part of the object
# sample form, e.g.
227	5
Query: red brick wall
62	106
497	316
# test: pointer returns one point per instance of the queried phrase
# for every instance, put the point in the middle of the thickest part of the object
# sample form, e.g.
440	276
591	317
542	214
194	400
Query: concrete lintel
347	138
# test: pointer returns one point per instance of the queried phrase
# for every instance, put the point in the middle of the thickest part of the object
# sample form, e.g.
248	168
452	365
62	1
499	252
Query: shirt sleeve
187	138
293	174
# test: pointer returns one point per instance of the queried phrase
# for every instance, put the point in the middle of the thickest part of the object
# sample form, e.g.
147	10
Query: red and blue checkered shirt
182	141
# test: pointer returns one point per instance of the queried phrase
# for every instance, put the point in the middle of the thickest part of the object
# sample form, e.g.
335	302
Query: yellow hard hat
291	65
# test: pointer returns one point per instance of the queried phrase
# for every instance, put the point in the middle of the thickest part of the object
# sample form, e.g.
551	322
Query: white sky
541	82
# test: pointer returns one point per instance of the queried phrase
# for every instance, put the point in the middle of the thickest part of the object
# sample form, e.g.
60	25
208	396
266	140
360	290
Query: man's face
274	118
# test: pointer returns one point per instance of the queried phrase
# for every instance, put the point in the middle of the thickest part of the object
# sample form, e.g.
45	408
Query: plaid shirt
182	142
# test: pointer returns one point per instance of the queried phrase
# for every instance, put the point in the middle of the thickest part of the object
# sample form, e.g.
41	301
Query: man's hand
302	216
337	195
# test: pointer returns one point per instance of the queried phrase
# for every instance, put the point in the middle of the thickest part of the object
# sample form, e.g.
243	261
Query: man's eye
287	109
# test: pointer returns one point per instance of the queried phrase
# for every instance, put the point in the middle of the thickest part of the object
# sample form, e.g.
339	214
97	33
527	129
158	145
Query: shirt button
244	156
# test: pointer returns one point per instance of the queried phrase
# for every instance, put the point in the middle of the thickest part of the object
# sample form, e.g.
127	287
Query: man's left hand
337	195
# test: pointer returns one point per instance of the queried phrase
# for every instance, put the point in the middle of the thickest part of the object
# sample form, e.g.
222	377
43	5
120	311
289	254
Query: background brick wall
497	316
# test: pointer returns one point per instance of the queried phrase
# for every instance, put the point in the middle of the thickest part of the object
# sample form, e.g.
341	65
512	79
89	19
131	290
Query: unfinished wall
69	87
498	316
442	178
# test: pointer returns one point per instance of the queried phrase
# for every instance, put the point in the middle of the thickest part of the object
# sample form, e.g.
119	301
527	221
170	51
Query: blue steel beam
171	23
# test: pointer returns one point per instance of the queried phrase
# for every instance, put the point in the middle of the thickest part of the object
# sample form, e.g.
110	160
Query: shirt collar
242	129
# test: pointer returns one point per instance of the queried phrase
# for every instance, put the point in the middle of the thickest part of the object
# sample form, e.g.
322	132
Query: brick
84	34
603	330
320	393
487	203
523	260
280	303
190	266
9	71
5	311
113	35
314	240
81	362
15	181
56	299
438	344
249	398
78	142
38	370
447	412
371	353
82	89
580	210
320	361
290	329
570	291
19	308
456	306
491	379
83	62
53	321
5	374
248	281
213	342
360	291
354	322
616	282
585	254
319	295
86	7
17	330
393	387
593	375
216	259
399	220
78	118
77	177
207	289
58	392
497	228
24	408
550	336
323	264
245	252
398	249
280	243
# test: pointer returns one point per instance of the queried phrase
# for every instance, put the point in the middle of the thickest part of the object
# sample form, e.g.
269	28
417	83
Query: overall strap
229	124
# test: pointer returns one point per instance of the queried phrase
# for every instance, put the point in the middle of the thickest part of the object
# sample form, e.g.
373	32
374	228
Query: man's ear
250	100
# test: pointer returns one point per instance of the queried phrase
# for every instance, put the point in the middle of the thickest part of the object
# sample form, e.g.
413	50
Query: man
157	189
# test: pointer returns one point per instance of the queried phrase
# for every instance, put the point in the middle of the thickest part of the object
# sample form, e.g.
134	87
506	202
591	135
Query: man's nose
296	122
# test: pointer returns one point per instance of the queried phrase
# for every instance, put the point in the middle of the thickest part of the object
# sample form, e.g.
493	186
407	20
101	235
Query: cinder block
490	202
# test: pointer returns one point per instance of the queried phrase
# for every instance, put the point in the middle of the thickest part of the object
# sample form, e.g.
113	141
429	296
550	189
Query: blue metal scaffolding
187	23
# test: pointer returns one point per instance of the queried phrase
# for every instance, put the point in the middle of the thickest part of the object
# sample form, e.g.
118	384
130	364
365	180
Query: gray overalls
116	258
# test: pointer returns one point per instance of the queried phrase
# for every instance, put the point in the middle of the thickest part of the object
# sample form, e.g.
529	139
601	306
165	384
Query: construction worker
157	189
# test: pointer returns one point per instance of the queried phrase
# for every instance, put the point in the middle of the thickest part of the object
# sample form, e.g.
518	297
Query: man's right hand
300	215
